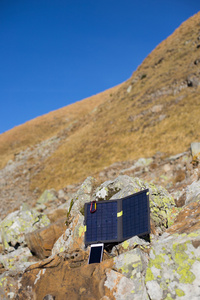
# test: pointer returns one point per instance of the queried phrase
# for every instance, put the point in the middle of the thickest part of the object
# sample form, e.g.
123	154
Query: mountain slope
157	109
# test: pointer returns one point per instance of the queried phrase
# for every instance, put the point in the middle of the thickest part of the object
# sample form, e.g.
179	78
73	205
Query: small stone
197	61
167	168
49	297
193	81
195	148
129	89
157	108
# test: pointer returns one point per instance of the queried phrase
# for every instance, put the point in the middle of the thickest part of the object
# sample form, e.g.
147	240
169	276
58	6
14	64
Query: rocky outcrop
166	267
15	176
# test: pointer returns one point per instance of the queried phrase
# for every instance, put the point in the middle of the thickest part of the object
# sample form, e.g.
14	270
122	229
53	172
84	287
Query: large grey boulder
161	202
14	227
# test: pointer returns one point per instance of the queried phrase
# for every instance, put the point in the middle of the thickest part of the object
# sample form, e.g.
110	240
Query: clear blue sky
56	52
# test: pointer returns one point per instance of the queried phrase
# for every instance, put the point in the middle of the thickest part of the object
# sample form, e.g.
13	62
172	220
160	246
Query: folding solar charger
114	221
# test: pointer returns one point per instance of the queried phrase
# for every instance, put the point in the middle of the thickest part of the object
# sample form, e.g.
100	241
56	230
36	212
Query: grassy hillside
46	126
157	109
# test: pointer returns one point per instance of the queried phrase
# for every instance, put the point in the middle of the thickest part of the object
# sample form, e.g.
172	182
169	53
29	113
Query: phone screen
95	254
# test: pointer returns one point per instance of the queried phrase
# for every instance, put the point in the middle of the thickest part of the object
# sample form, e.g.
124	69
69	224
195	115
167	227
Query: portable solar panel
117	220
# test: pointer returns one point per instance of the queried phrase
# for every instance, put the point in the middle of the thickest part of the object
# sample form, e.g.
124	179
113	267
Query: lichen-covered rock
9	285
16	260
47	196
17	224
66	205
174	267
193	192
161	202
82	196
118	286
133	264
143	162
109	188
78	203
130	244
73	237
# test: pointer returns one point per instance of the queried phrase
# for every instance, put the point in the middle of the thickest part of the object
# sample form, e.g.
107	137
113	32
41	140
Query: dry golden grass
46	126
116	125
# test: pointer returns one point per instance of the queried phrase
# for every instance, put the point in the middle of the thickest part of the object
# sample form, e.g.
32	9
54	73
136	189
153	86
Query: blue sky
56	52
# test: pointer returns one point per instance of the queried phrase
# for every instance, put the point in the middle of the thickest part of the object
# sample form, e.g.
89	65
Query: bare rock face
64	278
72	238
41	241
188	220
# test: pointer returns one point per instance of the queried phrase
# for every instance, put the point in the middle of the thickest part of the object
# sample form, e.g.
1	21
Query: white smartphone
96	253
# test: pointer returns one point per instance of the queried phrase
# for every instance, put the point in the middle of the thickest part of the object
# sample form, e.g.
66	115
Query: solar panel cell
135	211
